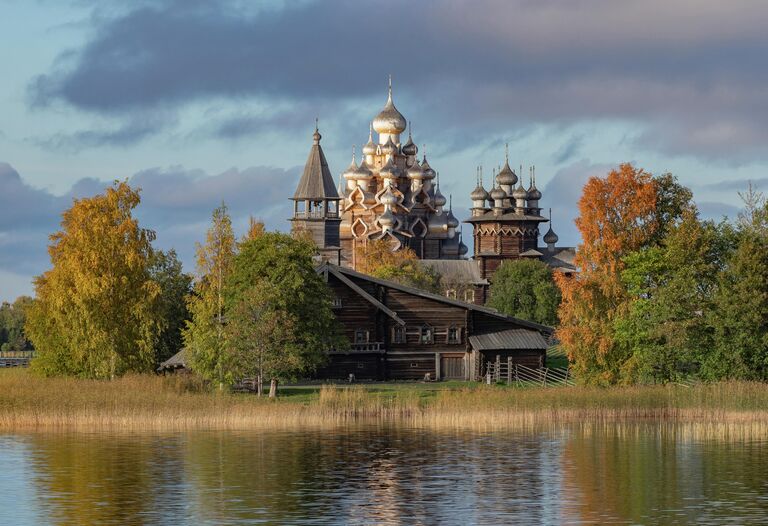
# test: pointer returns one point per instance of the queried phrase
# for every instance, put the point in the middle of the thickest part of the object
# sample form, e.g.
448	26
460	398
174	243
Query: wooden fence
16	358
501	371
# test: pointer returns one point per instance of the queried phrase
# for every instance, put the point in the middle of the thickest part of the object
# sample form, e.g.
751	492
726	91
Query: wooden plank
348	282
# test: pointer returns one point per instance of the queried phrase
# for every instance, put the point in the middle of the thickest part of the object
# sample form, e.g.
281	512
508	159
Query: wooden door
452	367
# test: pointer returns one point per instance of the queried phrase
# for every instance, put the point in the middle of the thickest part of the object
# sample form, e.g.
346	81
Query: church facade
392	195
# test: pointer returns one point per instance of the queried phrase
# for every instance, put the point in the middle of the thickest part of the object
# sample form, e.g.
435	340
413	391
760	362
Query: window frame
426	329
366	335
399	335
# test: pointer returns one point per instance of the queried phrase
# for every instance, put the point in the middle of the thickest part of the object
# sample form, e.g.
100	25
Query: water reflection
388	475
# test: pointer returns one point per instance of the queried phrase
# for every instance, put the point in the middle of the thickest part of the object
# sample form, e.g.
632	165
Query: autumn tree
617	215
525	289
255	229
175	286
203	335
377	259
274	276
95	312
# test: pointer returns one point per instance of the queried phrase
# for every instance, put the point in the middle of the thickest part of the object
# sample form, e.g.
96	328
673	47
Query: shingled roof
316	182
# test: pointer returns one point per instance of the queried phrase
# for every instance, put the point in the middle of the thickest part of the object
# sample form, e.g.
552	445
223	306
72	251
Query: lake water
610	474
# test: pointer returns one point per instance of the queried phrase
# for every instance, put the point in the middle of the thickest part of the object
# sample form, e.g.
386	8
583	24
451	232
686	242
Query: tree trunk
273	388
259	385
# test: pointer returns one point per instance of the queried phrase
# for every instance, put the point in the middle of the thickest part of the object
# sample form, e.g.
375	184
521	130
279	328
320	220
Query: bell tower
316	204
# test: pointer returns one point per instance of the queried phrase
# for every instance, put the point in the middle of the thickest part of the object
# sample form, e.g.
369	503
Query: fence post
509	370
545	376
498	367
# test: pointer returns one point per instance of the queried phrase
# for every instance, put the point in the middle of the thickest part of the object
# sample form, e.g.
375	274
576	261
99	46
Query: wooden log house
403	333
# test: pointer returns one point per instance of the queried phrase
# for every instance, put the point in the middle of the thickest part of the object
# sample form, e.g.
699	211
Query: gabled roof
316	182
176	361
460	271
326	267
509	339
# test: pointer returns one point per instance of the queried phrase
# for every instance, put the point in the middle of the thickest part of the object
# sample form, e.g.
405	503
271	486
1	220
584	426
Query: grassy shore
176	403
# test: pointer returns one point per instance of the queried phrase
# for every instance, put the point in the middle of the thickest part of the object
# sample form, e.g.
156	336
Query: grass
147	402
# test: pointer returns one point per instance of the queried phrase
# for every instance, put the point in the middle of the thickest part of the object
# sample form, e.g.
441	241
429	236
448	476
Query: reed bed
152	403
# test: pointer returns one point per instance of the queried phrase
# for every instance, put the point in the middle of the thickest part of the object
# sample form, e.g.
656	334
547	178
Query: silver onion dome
506	176
370	146
498	194
452	221
388	198
520	192
387	220
479	193
389	170
389	120
439	199
409	148
389	147
351	170
533	193
429	173
463	249
415	172
363	172
550	237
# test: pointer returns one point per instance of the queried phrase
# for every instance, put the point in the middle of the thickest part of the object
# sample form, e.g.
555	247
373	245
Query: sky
202	102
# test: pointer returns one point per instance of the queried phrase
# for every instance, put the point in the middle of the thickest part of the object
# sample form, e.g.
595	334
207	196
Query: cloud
740	185
176	203
128	132
696	76
562	192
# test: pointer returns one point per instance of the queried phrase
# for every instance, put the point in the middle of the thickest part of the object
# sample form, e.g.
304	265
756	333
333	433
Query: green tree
526	289
175	287
12	319
666	329
95	312
203	335
261	337
740	316
284	268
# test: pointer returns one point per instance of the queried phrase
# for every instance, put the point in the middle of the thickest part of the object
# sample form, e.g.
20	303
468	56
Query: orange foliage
377	254
617	215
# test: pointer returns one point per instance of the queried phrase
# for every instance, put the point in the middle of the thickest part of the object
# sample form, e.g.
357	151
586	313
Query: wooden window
469	296
360	365
414	365
427	335
398	334
361	336
451	293
454	334
336	303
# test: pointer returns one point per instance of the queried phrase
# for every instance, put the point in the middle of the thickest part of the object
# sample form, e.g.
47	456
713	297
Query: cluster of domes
392	191
504	196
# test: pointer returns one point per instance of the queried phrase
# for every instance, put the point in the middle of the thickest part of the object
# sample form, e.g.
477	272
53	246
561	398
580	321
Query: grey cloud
563	191
694	74
717	211
569	149
738	184
176	203
127	133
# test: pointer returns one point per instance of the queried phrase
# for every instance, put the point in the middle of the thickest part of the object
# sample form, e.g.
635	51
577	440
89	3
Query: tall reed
145	402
